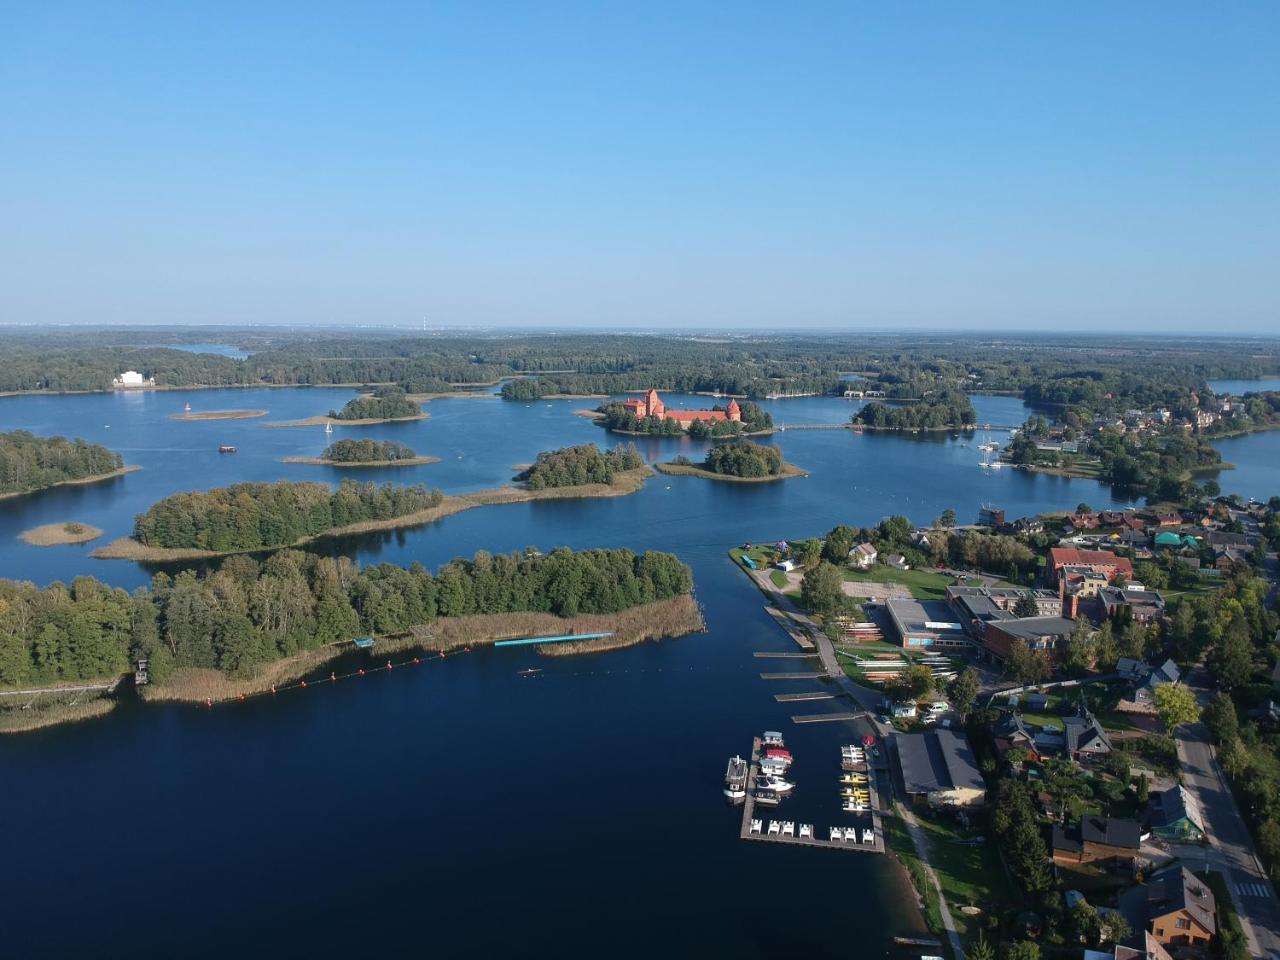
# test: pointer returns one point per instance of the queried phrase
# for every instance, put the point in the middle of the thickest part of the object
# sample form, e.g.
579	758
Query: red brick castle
652	406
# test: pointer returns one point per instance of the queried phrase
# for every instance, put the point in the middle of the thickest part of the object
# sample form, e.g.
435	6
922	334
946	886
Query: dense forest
1160	465
251	516
367	451
386	403
248	613
947	409
28	462
742	458
575	466
1131	371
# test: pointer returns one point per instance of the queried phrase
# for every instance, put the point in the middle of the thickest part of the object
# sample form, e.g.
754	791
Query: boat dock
853	846
794	675
783	655
815	695
794	630
826	717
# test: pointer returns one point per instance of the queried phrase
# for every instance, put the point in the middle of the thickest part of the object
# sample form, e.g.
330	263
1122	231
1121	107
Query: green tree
980	949
822	589
1176	705
1026	607
1021	950
1104	647
947	518
1113	927
1026	665
1220	716
1232	659
914	682
1080	650
964	691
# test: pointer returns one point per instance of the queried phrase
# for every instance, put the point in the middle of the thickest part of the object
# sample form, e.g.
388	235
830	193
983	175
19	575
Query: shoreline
320	421
219	415
789	470
626	482
56	535
96	478
321	462
658	620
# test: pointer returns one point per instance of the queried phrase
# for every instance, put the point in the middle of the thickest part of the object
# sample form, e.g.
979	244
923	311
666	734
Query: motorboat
767	798
772	738
773	768
735	779
854	778
755	826
788	828
852	807
851	834
868	835
775	828
835	834
806	831
776	784
778	753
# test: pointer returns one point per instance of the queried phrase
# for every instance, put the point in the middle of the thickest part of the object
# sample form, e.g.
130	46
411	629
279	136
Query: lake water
457	808
1238	387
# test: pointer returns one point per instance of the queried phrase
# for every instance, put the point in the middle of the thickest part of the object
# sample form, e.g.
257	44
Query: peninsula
29	463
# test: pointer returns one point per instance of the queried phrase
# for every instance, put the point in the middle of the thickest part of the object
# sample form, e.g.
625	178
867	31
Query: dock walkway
748	811
794	675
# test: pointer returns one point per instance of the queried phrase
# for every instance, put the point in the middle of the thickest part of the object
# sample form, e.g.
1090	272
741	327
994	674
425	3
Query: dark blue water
221	349
1238	387
456	808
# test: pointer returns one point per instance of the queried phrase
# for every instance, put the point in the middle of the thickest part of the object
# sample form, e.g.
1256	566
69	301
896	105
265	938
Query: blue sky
896	166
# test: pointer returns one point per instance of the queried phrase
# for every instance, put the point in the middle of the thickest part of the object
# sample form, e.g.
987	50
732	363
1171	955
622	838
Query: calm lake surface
457	808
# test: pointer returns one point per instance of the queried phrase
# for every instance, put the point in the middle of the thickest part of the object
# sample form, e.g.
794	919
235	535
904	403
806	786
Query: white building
132	378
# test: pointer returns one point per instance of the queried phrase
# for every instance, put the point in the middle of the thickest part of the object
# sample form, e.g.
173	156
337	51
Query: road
1253	894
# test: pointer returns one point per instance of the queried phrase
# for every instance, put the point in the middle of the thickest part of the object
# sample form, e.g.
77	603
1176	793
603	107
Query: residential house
897	561
1175	814
1099	561
1106	841
863	556
1146	606
1011	732
939	768
1174	906
1085	737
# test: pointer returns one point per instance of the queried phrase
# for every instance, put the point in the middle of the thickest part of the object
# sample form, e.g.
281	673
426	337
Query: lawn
970	874
923	584
779	579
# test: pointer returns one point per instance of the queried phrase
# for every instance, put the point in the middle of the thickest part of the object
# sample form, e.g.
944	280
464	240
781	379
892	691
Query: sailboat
328	428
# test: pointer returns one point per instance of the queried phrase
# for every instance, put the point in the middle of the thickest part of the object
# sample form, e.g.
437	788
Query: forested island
575	466
255	516
365	453
29	463
248	614
740	460
947	410
385	403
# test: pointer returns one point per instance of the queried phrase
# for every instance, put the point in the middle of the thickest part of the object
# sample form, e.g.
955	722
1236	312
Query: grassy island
57	534
944	410
741	461
365	453
218	415
29	463
249	624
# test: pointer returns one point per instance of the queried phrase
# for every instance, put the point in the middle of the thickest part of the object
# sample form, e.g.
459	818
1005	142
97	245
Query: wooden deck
826	717
794	675
783	655
814	695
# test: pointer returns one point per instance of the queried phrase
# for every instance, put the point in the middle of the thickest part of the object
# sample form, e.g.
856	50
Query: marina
862	838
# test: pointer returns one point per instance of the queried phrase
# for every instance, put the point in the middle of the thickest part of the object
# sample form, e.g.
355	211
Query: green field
923	584
970	874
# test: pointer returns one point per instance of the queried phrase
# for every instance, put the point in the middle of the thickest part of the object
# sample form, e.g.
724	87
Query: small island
57	534
740	461
945	410
29	463
218	415
385	403
579	466
651	417
365	453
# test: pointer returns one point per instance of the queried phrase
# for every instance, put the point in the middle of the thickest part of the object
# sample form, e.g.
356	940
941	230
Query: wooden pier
783	655
794	675
792	697
794	630
748	811
826	717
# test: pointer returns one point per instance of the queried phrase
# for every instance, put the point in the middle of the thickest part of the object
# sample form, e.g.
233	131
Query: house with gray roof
939	768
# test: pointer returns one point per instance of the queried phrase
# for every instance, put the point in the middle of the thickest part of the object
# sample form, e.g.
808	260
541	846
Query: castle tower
733	411
653	407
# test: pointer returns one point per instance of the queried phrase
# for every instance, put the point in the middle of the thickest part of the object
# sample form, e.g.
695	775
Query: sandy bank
693	470
55	534
219	415
321	462
363	422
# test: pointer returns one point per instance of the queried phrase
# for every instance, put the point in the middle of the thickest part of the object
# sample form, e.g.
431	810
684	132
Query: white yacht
835	834
735	779
774	828
788	828
756	825
851	834
778	785
806	831
772	738
868	835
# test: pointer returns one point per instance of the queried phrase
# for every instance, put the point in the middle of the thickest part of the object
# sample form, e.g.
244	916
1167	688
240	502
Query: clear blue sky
1022	165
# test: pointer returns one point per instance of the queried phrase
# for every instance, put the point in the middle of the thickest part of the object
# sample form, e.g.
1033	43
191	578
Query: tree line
28	462
367	451
248	613
742	458
583	464
251	516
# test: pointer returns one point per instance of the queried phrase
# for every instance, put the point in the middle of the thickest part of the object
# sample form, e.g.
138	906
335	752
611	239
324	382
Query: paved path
1232	847
921	843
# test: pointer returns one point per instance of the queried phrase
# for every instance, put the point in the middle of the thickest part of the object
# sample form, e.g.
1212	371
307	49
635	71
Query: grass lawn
970	874
899	841
1045	721
779	579
923	584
